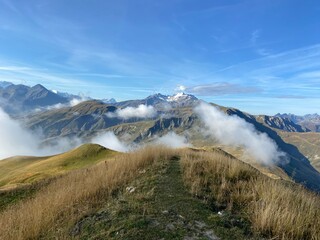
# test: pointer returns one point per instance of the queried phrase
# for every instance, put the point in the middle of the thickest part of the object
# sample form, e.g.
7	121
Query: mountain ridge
310	122
157	192
18	99
175	113
90	118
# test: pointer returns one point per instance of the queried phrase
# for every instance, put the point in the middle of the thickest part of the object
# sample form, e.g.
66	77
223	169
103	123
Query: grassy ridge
275	209
172	194
71	196
18	171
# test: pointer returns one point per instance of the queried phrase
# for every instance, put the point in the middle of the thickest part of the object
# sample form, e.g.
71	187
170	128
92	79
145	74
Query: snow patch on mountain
180	97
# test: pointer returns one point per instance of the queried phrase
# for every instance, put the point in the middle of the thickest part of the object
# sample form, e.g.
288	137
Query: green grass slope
18	171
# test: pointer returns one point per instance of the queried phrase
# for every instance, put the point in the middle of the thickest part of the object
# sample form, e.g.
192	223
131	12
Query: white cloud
220	88
181	88
16	140
110	140
73	102
173	140
142	111
234	131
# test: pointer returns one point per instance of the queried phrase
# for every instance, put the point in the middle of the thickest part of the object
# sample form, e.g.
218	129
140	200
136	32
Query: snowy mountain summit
181	97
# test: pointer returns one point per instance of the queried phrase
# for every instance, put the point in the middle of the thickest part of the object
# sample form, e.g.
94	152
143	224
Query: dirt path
182	214
158	206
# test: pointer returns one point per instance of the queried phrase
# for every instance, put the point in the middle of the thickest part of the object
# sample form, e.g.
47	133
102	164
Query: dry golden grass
70	196
275	209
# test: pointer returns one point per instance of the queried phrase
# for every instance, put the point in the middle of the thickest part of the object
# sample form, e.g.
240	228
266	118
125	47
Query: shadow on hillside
298	166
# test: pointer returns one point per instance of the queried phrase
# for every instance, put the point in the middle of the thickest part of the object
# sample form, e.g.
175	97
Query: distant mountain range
173	114
311	122
280	123
91	116
67	95
160	101
16	99
140	121
19	99
5	84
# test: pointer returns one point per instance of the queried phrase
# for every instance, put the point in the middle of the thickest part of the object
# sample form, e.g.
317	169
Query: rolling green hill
17	171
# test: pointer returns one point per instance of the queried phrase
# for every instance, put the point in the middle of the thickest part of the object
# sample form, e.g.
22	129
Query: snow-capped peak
181	96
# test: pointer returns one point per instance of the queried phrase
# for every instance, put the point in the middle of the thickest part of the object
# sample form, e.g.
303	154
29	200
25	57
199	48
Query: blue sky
262	56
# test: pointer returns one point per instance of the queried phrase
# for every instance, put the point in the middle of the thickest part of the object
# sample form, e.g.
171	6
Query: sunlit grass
34	217
274	208
270	208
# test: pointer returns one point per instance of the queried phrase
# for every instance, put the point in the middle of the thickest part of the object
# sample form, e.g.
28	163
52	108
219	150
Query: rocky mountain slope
77	120
310	122
4	84
91	116
160	101
16	99
284	124
174	114
307	143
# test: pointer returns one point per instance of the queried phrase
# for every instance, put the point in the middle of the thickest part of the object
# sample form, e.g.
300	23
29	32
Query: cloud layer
219	88
16	140
234	131
110	140
73	102
142	111
173	140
